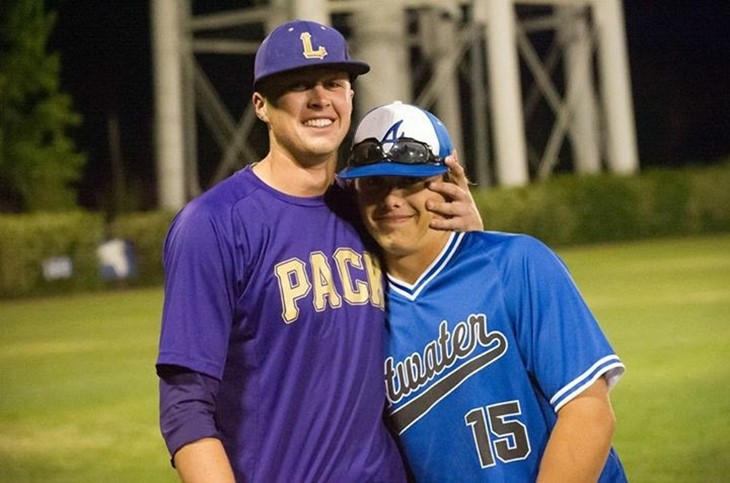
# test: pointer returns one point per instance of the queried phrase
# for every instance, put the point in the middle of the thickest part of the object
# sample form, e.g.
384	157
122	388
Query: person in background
273	319
495	368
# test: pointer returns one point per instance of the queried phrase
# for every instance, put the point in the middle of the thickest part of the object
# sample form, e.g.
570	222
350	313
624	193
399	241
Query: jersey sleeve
187	407
560	340
199	297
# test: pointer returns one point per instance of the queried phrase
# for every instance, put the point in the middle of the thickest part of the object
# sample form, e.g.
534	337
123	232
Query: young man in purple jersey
273	321
496	370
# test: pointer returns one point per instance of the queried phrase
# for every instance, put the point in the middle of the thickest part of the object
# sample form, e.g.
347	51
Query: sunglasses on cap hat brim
406	157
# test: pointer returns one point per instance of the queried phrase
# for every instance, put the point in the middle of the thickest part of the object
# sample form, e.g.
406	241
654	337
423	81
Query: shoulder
218	201
507	244
211	213
514	252
229	192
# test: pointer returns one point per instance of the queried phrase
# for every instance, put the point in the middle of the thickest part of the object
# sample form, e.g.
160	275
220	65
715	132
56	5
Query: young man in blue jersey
273	321
496	370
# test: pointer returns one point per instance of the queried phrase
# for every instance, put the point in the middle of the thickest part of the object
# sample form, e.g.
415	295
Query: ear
259	104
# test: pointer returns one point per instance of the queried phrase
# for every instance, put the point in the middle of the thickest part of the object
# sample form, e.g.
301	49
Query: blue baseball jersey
482	351
276	297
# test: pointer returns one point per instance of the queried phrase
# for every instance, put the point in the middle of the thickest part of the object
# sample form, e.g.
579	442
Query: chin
390	245
325	147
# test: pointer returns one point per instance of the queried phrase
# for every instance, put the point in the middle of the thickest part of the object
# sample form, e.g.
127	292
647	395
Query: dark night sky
679	54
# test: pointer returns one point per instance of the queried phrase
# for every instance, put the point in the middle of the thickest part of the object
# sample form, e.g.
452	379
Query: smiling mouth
392	219
318	122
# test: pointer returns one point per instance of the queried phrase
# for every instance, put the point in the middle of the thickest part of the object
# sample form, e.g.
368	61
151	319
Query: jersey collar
411	291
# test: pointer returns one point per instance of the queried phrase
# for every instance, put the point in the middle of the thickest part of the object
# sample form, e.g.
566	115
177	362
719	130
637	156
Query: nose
319	95
391	195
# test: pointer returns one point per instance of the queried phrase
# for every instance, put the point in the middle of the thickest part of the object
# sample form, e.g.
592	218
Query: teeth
318	122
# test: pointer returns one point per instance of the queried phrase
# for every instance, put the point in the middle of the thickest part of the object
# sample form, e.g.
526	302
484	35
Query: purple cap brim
394	169
353	67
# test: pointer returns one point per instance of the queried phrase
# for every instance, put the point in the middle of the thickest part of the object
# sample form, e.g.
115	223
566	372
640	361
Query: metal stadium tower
525	87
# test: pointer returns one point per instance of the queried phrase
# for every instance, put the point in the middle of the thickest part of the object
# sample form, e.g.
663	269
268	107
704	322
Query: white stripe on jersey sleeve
610	366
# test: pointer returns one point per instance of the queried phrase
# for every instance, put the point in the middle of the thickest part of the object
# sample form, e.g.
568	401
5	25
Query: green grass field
78	393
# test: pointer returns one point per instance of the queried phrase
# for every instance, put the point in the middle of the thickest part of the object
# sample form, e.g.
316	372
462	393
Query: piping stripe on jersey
411	292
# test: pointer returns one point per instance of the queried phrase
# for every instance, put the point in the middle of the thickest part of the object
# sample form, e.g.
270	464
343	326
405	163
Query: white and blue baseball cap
301	44
398	140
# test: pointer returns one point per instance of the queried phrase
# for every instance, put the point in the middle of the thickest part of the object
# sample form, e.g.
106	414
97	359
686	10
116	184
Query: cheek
366	212
346	121
367	198
366	215
345	106
426	196
287	105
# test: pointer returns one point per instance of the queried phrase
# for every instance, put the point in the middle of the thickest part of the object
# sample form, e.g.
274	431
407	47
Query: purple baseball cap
300	44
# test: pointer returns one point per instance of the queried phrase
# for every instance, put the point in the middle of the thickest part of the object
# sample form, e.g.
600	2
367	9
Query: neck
409	266
295	178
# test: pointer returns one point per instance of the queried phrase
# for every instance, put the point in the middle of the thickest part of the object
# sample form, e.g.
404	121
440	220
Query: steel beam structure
450	56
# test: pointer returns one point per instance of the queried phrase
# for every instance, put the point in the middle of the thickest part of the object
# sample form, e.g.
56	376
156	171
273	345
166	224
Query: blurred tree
39	163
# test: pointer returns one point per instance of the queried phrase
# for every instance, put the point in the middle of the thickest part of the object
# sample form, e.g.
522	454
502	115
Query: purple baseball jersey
276	297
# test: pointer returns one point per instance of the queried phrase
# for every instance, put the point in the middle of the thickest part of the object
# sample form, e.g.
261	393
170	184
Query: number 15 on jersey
497	432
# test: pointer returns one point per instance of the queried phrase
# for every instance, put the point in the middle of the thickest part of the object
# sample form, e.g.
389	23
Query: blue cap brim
393	169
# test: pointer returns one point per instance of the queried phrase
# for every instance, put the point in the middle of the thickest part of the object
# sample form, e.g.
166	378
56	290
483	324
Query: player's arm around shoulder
204	461
581	439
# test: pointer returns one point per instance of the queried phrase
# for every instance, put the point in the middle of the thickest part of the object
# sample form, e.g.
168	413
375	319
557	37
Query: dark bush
146	232
563	210
572	209
27	241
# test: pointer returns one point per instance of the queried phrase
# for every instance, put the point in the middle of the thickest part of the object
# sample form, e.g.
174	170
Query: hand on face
457	211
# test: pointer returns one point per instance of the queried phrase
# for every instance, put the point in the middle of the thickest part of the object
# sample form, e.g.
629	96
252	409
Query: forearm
204	461
581	440
187	422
